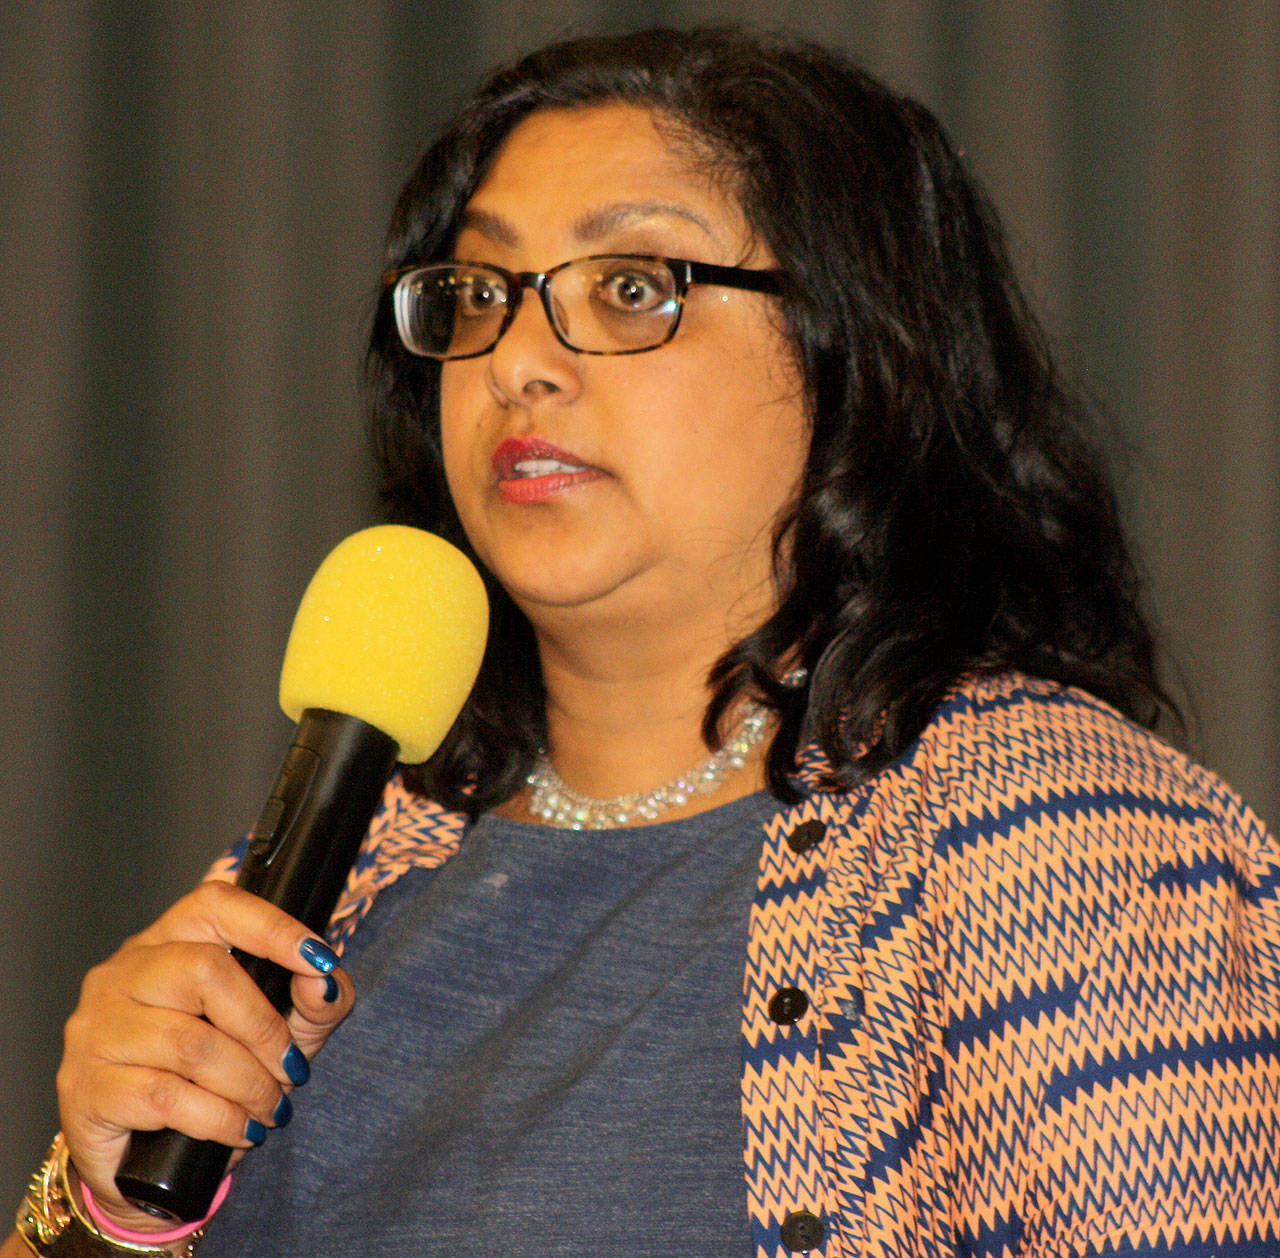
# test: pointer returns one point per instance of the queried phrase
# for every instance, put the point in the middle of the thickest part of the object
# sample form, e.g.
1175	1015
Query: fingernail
283	1112
331	988
296	1066
319	955
254	1131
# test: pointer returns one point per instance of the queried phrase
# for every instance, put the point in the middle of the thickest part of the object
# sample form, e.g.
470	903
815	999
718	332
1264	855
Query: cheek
750	427
458	433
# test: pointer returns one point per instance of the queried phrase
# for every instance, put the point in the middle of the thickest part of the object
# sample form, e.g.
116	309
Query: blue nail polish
319	955
284	1112
331	989
296	1066
254	1131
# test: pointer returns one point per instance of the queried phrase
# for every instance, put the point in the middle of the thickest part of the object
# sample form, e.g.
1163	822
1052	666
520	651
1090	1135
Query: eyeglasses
604	304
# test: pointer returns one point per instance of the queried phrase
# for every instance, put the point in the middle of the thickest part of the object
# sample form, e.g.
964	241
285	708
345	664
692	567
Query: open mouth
531	470
527	469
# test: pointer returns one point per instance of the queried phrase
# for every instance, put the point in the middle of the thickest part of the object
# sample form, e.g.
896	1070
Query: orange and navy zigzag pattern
1039	959
1044	952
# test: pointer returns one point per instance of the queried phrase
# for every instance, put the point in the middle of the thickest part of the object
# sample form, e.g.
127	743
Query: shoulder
1029	817
1010	747
1035	851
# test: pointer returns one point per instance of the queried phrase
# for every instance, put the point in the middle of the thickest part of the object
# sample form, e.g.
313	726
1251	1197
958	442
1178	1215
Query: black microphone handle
299	855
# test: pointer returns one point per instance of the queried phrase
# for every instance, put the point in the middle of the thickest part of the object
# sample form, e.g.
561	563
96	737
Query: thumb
320	1003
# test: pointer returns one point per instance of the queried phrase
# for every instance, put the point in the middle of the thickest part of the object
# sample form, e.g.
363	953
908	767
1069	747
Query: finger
188	1074
227	915
145	1099
202	1054
165	988
319	1005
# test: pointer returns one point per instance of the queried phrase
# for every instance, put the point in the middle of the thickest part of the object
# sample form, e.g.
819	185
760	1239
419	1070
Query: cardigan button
788	1005
806	835
802	1230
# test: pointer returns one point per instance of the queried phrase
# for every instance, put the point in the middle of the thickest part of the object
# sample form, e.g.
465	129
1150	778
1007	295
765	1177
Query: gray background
192	199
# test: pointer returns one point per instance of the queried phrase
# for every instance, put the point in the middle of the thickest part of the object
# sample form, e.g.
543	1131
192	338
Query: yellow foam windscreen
391	630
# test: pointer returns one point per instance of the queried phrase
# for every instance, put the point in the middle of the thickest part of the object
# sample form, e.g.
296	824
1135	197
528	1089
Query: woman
706	349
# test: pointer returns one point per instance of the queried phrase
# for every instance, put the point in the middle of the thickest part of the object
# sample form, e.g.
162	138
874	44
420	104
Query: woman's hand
171	1032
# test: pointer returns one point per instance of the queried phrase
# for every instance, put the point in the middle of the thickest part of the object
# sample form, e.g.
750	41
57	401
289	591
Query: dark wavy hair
956	514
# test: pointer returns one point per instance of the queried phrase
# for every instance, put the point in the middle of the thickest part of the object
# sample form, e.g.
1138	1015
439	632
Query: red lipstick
530	470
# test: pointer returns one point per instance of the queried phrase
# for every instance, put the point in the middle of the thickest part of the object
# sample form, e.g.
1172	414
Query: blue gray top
544	1058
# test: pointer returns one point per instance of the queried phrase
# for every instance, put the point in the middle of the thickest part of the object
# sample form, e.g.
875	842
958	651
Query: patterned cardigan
1017	994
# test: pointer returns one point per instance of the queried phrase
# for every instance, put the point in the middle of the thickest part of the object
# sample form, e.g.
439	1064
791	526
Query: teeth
526	469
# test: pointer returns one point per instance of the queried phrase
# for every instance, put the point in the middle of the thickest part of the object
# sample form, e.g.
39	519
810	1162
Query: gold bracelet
54	1224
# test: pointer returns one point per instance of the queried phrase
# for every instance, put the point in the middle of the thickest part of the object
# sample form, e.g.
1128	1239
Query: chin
598	592
561	596
560	573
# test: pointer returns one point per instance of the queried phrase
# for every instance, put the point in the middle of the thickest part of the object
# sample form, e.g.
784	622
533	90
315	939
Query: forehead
586	172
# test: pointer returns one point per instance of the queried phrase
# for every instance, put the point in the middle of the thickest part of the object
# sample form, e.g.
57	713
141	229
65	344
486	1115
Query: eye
479	293
633	287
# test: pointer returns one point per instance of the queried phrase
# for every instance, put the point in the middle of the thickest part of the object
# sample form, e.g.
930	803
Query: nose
529	361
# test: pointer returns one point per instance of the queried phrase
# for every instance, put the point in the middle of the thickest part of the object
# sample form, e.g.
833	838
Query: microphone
383	652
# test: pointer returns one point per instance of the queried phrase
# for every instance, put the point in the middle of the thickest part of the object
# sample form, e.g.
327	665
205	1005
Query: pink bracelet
104	1225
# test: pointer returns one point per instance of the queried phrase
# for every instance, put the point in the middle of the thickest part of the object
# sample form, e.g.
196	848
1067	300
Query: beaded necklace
555	802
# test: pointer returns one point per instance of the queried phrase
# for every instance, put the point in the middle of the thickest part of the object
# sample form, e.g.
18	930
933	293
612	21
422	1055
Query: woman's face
638	489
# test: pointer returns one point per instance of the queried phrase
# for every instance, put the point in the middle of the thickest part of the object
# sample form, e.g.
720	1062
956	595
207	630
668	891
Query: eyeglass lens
597	305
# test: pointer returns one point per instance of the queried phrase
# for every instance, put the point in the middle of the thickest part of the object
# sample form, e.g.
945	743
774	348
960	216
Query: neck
611	732
622	728
626	684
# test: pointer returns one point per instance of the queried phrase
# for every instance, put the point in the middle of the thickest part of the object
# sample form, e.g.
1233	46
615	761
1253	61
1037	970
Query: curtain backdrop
192	200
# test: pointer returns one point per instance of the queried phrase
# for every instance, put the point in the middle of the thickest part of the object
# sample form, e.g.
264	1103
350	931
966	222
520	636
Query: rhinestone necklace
554	802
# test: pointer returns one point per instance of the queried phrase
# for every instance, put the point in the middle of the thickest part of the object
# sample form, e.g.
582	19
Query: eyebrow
598	223
590	227
492	225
